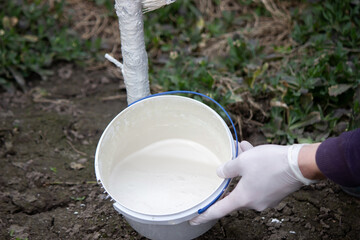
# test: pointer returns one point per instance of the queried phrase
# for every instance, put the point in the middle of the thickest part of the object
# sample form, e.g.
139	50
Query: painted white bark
151	5
135	60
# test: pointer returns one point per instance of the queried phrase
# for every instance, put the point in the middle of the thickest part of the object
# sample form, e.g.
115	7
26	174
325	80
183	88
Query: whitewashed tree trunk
135	60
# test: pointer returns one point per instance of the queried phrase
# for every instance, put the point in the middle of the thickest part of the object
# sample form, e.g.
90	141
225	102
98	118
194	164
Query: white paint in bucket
165	177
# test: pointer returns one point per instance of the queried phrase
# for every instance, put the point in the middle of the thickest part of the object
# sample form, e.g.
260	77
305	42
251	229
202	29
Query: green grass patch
319	87
32	39
315	94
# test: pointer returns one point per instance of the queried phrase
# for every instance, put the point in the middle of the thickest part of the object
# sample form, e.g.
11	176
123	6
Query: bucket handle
201	210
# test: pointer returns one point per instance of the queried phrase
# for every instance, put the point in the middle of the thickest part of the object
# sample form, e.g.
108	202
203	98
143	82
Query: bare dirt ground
48	189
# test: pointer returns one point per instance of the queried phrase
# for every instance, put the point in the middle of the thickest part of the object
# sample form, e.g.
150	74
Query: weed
12	233
244	60
78	198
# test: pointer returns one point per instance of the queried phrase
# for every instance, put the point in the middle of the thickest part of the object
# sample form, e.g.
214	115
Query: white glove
268	174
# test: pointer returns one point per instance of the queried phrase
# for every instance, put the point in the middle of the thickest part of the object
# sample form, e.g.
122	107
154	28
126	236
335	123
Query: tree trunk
135	60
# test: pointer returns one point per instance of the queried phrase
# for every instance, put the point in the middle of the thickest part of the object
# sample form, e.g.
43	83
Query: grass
320	85
308	86
315	92
32	39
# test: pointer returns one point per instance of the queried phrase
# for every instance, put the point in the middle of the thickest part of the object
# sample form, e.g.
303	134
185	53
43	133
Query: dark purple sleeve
338	158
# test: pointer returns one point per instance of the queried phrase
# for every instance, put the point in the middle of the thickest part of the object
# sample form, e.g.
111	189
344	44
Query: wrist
307	162
293	155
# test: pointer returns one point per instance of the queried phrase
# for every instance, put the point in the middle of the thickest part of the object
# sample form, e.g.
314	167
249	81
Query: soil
48	137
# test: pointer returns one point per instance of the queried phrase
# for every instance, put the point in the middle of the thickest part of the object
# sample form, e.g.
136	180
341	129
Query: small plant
12	232
244	60
78	198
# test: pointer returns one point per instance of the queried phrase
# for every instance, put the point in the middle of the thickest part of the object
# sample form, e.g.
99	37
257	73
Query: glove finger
229	169
245	145
216	211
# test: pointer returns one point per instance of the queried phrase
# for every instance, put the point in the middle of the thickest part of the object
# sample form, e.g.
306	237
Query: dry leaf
76	166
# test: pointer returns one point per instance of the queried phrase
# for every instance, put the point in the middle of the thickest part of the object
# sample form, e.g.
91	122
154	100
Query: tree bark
135	60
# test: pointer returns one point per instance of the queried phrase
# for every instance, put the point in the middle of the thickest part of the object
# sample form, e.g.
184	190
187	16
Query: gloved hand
268	174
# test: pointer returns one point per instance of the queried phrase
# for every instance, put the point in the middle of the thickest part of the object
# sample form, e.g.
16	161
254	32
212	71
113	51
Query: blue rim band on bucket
227	114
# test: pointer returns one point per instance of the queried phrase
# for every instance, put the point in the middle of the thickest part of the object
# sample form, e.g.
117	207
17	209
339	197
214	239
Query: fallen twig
71	183
111	98
238	118
73	147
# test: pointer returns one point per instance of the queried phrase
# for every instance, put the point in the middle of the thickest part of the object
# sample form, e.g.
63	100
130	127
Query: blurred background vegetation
288	70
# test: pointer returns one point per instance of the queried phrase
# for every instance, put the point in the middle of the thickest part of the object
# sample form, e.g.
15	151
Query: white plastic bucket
152	121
